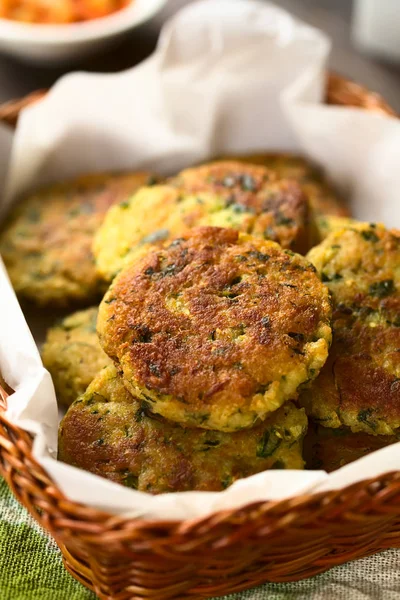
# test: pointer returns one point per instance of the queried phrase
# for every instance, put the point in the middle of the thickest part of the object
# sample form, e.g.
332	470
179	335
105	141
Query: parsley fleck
381	289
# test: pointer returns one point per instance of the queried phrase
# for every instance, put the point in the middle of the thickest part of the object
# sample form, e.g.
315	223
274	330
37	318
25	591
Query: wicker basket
226	552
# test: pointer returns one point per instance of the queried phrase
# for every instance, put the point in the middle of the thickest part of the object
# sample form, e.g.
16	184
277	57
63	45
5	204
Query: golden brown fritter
46	243
279	204
323	199
108	432
330	449
217	329
243	197
360	384
73	355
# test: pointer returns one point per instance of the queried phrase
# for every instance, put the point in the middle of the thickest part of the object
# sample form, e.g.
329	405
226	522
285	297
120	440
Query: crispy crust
218	329
360	384
108	433
248	198
279	204
46	242
73	355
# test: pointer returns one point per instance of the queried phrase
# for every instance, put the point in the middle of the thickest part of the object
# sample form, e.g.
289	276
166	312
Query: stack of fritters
358	389
214	330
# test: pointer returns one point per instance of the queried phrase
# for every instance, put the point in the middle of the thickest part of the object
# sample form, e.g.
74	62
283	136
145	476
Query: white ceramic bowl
54	44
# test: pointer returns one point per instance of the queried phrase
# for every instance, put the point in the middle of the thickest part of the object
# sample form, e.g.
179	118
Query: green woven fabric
31	569
30	562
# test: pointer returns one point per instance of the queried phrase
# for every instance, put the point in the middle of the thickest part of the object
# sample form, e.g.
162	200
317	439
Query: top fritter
217	329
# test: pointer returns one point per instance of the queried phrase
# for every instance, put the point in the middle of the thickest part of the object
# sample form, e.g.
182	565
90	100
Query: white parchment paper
227	76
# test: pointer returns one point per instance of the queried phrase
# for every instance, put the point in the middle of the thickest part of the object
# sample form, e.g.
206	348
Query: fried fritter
330	449
107	431
248	198
46	242
217	329
73	355
279	203
360	384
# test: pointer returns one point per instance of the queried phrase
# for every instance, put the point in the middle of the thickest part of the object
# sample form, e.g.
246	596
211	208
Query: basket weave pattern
232	550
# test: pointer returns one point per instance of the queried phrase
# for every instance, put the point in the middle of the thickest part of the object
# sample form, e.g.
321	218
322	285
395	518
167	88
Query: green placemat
31	569
30	562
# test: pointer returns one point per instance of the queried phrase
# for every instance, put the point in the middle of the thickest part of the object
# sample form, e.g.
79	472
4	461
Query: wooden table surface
333	16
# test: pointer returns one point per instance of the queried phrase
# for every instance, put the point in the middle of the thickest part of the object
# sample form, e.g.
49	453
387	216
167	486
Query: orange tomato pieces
58	11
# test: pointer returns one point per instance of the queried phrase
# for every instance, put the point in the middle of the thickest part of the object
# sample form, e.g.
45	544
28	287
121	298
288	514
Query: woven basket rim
109	521
67	520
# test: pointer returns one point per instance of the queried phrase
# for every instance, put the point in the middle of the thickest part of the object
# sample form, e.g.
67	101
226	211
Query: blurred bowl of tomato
58	31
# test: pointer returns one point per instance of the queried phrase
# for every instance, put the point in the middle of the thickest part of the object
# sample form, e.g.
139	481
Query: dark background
333	16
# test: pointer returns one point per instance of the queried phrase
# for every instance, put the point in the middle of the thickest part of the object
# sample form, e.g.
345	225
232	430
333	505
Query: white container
52	44
376	27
